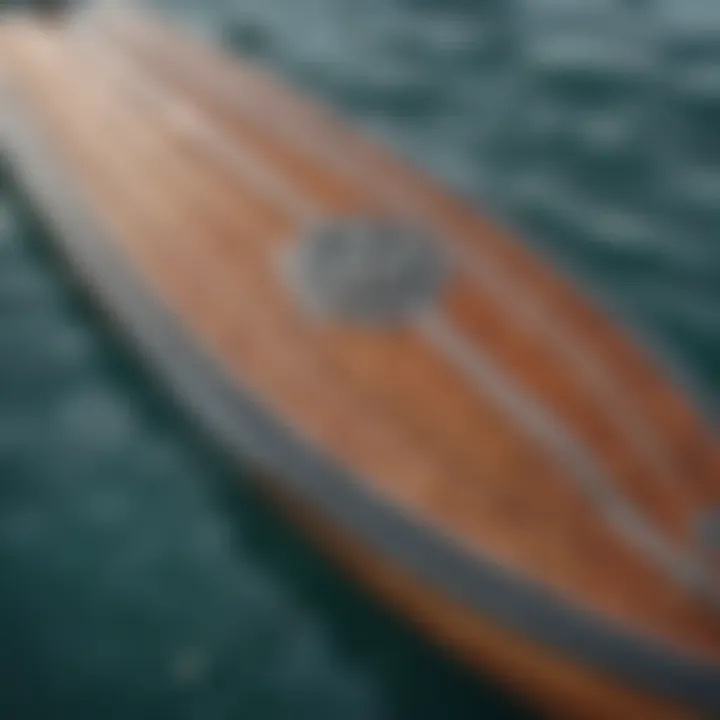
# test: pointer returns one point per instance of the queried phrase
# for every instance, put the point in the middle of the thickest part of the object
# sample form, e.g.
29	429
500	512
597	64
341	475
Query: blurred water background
138	578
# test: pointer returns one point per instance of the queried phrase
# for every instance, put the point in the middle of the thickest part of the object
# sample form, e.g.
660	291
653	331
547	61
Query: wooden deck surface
479	419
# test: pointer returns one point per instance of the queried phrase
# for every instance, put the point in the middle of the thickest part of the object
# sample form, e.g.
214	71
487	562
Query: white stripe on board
493	384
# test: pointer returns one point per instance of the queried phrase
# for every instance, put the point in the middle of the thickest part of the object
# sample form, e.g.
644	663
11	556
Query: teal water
138	578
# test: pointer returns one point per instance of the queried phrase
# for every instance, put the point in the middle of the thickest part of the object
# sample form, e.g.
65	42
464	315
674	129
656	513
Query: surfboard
446	413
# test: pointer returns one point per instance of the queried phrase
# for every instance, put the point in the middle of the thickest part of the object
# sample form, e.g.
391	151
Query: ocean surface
138	577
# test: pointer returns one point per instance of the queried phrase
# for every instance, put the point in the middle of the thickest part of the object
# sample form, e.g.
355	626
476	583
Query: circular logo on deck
368	270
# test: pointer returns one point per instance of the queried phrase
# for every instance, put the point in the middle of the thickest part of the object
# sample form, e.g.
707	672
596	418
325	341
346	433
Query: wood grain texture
206	173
